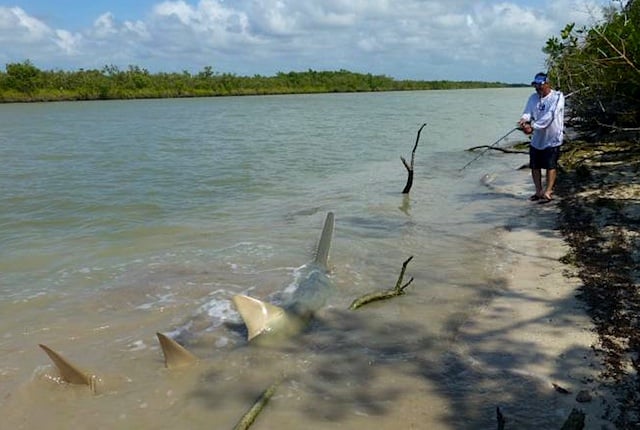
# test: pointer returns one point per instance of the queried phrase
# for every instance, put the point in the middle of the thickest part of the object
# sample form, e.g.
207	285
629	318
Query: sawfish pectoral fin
69	372
175	355
257	315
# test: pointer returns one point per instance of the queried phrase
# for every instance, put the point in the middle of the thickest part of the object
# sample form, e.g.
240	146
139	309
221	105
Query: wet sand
536	330
568	315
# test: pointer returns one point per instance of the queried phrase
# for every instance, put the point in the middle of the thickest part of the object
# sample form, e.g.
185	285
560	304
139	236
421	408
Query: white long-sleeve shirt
546	115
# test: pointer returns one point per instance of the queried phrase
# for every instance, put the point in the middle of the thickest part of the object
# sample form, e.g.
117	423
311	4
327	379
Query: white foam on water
137	345
158	301
219	311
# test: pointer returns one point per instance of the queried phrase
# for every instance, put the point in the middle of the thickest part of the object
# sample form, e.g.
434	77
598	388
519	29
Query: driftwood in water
408	166
496	148
248	418
398	290
501	420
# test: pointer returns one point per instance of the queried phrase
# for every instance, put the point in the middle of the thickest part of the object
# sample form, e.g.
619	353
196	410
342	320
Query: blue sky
404	39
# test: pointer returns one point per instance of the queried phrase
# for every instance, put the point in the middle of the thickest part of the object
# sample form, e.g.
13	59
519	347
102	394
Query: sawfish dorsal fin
69	372
175	355
322	252
257	315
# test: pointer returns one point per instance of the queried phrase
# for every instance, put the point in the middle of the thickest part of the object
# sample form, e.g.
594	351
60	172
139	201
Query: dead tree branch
501	420
408	166
496	148
622	53
248	418
398	290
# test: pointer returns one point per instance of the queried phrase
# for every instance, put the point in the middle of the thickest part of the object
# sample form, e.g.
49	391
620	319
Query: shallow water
123	218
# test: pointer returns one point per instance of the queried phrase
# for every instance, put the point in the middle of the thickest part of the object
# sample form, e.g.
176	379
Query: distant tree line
600	67
21	82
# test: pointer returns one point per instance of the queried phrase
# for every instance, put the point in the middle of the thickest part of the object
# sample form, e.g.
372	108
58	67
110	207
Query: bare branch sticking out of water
398	290
250	416
501	420
408	166
495	148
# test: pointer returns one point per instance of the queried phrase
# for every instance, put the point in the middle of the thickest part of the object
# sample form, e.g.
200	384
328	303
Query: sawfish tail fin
257	315
70	372
322	253
175	355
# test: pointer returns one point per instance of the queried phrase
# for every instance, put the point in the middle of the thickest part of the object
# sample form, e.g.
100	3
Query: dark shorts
544	158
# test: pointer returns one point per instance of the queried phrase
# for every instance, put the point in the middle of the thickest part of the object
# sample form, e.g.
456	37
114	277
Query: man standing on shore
544	117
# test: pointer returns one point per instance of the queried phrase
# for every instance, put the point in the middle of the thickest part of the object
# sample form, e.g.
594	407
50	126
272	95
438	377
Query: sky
403	39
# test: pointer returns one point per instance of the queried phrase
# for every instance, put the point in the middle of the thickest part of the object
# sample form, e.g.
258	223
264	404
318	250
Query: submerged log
248	418
408	166
398	290
497	148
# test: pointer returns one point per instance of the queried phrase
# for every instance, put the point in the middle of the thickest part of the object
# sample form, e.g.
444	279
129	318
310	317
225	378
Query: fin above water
175	355
322	253
260	317
69	372
257	315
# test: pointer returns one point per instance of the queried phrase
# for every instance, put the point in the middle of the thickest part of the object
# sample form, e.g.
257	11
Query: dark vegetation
601	67
600	189
24	82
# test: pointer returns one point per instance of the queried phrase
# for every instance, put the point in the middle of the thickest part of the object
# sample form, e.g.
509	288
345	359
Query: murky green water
122	218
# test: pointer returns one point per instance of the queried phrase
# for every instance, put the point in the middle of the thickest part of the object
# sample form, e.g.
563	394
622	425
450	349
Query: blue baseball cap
539	79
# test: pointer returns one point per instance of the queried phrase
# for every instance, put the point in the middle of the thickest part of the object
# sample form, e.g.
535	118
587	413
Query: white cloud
421	39
16	25
68	42
580	11
24	37
104	26
136	29
176	9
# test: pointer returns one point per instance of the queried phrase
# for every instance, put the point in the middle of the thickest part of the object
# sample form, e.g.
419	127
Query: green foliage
601	67
21	77
25	82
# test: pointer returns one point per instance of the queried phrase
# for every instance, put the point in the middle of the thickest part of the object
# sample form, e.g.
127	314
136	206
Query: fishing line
512	130
489	147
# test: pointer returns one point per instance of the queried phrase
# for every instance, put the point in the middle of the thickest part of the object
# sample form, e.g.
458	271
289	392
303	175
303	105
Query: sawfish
71	373
175	356
268	321
261	318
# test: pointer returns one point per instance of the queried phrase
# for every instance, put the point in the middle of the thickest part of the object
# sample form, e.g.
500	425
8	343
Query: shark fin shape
69	372
322	252
175	355
257	315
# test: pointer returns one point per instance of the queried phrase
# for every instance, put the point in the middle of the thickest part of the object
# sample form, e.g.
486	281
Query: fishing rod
512	130
489	147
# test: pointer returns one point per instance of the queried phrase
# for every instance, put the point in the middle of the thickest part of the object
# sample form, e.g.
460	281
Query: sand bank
535	336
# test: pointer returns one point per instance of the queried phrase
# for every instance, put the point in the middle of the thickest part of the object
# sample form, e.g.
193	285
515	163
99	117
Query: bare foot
546	198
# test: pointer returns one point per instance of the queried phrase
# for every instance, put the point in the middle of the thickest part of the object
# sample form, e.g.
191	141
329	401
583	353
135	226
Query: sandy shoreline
536	330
